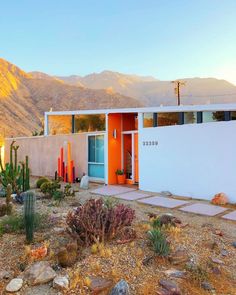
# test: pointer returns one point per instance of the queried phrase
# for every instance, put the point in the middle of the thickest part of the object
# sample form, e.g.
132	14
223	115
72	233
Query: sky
167	39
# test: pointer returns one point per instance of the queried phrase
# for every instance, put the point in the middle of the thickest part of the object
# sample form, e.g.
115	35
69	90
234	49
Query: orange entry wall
114	146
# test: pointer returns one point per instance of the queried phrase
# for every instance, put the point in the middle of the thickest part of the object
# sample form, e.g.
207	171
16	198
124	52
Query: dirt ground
203	238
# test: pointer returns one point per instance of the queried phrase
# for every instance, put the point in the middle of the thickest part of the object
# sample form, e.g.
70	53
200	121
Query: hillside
153	92
25	97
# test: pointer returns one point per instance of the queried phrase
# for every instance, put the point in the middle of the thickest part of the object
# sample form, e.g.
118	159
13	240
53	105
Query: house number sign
150	142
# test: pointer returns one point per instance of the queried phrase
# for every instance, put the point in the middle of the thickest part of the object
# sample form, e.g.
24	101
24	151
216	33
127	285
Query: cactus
18	176
6	209
29	214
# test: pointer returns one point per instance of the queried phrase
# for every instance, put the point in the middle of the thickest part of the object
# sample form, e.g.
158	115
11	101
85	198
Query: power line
196	95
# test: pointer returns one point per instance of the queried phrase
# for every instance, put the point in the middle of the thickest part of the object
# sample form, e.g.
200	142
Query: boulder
179	256
220	199
170	286
206	286
234	244
39	273
121	288
61	283
99	285
14	285
175	273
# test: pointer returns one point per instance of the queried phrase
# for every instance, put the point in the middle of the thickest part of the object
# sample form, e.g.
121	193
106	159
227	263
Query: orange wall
128	122
114	146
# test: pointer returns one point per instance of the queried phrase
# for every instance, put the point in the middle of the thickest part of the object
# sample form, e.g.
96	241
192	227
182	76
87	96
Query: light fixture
114	133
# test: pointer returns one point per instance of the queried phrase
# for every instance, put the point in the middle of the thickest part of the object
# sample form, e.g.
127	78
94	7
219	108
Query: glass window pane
61	124
190	117
91	148
213	116
233	115
167	119
148	120
96	170
89	123
99	157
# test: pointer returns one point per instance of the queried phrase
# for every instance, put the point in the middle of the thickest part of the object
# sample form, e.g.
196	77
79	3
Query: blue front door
96	156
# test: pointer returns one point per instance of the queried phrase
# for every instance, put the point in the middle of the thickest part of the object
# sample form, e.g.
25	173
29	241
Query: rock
220	199
216	260
175	273
206	286
84	183
166	193
216	271
121	288
99	285
14	285
39	273
224	252
58	230
234	244
61	283
170	286
5	275
179	256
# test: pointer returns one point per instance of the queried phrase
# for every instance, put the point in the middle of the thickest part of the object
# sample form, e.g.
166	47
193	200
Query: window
147	120
89	123
59	124
190	117
213	116
96	156
167	119
233	115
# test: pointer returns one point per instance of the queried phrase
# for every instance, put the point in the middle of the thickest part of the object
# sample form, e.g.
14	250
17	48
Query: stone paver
112	190
163	202
230	216
203	209
132	196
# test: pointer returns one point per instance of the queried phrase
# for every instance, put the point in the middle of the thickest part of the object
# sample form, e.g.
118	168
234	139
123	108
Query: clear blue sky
166	39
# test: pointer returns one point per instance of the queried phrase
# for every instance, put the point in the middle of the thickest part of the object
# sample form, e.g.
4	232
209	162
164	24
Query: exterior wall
44	151
114	146
196	160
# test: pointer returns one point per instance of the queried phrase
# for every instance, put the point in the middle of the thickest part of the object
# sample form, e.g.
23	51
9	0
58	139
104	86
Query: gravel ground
202	239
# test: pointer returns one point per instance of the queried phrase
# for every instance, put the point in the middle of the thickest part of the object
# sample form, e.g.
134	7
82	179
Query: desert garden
58	238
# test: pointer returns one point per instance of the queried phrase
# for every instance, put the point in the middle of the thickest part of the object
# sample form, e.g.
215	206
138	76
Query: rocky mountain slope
25	97
153	92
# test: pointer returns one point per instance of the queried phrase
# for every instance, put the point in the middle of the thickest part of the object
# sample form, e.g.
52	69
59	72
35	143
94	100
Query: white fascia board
181	108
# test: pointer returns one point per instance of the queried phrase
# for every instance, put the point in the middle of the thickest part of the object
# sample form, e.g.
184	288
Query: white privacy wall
196	160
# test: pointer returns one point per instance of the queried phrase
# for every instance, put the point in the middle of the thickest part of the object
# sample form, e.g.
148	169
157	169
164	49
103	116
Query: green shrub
58	196
49	188
41	180
159	243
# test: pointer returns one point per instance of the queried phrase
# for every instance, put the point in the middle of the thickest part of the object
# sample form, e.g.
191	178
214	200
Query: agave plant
159	243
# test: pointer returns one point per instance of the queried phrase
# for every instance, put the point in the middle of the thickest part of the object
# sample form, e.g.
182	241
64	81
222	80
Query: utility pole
178	84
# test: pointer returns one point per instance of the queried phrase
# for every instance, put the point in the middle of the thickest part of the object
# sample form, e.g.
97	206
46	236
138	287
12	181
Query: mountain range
24	97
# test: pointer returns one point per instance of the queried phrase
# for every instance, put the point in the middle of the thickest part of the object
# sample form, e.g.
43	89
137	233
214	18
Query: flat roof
181	108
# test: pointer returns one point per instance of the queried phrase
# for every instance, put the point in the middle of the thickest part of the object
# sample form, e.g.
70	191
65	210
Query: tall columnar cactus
27	174
29	214
17	175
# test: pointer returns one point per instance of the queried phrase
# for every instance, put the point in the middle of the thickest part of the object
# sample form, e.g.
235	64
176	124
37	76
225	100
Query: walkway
153	199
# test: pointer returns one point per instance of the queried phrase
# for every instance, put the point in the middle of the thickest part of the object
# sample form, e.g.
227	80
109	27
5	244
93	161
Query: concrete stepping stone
163	202
203	209
230	216
132	196
112	190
